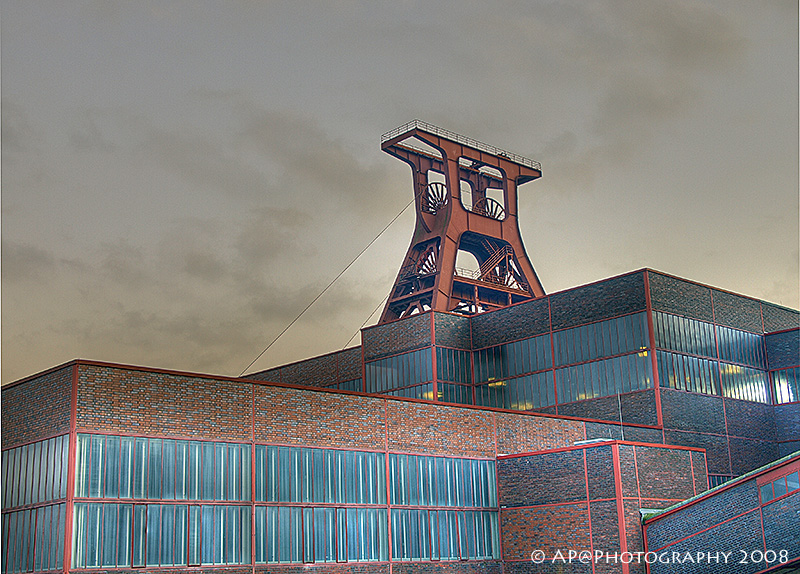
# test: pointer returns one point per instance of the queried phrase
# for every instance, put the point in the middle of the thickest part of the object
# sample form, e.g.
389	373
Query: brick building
444	443
499	429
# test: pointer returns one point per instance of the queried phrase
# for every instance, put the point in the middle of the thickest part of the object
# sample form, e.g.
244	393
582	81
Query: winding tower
466	255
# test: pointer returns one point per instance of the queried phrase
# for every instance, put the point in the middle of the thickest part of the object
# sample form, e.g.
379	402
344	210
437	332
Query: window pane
168	469
208	475
179	555
78	534
195	534
195	471
779	487
125	467
82	450
124	535
181	469
139	534
93	533
112	467
110	535
140	468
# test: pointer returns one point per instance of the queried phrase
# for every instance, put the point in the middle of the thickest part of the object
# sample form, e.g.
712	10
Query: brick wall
544	478
783	349
546	528
321	371
638	407
485	567
433	429
516	434
570	499
703	514
787	422
123	400
511	323
602	300
777	318
729	519
322	419
399	336
737	311
37	408
673	295
781	524
452	331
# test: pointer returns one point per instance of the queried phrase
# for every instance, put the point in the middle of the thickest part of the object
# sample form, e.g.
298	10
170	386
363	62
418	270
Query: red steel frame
439	233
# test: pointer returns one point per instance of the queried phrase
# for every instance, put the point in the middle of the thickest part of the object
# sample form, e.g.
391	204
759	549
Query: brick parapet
37	407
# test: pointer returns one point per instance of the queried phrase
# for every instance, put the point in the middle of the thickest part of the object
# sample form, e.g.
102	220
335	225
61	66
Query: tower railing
463	140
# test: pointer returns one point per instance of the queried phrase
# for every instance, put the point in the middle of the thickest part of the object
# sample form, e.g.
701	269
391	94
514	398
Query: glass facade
520	393
34	476
35	473
453	365
142	468
704	358
786	384
687	373
513	359
604	378
398	371
450	525
33	540
149	502
627	334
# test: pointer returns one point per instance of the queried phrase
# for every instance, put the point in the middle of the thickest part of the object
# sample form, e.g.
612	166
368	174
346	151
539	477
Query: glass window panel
22	470
168	469
260	534
153	534
208	478
220	476
230	536
111	470
766	493
9	483
218	521
139	534
260	473
181	469
35	469
246	472
179	553
793	481
306	483
124	519
97	459
194	538
41	549
167	541
139	467
82	470
79	514
94	517
124	483
779	487
110	535
273	530
207	538
154	471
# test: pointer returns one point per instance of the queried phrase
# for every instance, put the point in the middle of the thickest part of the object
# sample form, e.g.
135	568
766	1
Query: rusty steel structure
466	205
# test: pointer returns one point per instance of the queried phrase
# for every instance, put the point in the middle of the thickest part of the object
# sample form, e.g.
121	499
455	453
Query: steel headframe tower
466	201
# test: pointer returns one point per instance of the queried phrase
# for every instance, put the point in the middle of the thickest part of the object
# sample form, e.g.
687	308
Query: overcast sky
180	179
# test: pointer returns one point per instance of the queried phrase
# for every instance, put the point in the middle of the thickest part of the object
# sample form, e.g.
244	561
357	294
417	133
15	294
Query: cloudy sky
180	178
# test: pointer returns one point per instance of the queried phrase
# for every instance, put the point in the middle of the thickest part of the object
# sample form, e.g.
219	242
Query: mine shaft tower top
466	255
